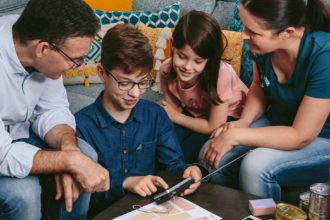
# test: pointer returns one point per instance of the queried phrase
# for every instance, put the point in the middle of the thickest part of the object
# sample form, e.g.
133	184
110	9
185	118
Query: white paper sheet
177	208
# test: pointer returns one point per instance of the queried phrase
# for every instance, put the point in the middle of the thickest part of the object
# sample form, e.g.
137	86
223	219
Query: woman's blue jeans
264	171
33	197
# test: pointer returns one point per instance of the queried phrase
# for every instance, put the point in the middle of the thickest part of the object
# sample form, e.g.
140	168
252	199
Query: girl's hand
144	185
218	147
171	111
196	174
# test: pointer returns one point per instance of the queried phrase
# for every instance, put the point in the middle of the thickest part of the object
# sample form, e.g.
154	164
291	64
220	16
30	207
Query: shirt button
126	170
125	151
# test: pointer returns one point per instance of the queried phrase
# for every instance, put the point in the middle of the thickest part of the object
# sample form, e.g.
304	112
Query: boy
130	134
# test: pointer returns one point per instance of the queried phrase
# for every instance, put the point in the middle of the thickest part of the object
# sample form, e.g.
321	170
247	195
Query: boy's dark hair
126	47
56	20
202	33
280	14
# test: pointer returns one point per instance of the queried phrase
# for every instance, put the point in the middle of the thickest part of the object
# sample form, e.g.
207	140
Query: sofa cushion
186	5
111	5
236	25
233	51
223	13
162	17
12	6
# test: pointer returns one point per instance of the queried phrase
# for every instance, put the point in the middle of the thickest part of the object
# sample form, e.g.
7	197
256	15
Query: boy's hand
144	185
196	174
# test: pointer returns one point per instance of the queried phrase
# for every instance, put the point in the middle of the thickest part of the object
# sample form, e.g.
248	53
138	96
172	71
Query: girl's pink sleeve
225	81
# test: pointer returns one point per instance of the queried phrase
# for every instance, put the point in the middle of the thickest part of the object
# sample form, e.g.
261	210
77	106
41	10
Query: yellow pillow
234	49
111	5
158	39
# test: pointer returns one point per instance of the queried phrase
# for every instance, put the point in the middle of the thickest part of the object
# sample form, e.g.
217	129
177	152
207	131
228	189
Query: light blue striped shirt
25	99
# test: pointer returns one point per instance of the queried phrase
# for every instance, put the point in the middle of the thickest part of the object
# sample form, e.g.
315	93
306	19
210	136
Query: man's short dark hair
126	47
56	20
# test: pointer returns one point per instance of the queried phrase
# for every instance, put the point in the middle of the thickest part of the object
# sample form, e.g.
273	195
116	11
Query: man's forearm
62	137
54	162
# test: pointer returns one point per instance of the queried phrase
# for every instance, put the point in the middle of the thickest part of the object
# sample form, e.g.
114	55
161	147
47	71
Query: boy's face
120	92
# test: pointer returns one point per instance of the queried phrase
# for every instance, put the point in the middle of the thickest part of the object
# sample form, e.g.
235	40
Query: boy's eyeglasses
76	63
127	85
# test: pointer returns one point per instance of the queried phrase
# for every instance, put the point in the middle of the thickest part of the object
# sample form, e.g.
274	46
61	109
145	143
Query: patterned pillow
160	18
87	72
236	25
164	17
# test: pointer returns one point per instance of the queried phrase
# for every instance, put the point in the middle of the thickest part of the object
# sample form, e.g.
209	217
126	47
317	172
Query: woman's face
260	39
188	65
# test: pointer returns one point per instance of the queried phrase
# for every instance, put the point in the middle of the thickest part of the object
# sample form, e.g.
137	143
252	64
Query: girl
201	92
288	103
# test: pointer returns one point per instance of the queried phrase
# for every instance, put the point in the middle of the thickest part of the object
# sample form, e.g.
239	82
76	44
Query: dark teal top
311	77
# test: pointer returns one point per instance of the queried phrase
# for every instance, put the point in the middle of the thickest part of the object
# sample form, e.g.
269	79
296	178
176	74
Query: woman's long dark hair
203	34
280	14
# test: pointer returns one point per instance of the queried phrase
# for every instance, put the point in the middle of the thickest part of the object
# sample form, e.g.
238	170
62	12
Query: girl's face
260	39
188	65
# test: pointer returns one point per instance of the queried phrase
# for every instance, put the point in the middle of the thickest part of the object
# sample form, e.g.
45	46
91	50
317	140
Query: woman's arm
309	120
256	102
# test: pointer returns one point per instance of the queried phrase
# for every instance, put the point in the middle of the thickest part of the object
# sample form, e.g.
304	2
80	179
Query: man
130	134
36	49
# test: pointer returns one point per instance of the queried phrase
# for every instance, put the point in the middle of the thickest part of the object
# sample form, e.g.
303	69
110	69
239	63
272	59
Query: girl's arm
218	116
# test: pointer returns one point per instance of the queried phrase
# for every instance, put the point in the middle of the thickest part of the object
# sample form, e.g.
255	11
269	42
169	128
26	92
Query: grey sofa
80	96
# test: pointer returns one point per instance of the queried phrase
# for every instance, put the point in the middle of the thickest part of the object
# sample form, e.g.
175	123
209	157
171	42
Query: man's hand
171	111
218	147
144	185
196	174
91	176
66	186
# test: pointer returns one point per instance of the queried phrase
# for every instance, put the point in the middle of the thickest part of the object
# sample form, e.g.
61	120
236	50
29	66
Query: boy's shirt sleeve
116	184
169	152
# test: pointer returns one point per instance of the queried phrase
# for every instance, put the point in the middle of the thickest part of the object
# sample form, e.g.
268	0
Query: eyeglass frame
133	83
75	64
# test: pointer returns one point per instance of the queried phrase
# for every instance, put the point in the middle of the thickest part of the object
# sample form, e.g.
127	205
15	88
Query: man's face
57	59
120	92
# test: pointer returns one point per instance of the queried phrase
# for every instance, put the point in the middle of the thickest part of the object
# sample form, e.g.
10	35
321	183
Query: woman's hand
219	146
171	110
196	174
144	185
228	125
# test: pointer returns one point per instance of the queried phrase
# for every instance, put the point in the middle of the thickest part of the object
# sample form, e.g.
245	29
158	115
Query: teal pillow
246	68
164	17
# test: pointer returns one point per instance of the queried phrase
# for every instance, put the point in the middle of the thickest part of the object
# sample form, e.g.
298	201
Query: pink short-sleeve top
197	102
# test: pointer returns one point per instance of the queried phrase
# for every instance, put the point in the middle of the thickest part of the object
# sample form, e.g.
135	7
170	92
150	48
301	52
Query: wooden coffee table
225	202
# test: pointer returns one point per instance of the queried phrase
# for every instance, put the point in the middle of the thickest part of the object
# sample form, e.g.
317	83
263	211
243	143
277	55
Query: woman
286	117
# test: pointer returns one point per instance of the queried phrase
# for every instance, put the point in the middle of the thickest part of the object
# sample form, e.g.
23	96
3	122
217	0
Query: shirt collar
105	119
8	50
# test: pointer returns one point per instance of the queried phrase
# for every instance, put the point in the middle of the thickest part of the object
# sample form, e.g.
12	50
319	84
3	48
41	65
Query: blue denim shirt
131	148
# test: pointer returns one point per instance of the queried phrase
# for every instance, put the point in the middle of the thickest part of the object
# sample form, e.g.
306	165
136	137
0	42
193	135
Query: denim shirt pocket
145	157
